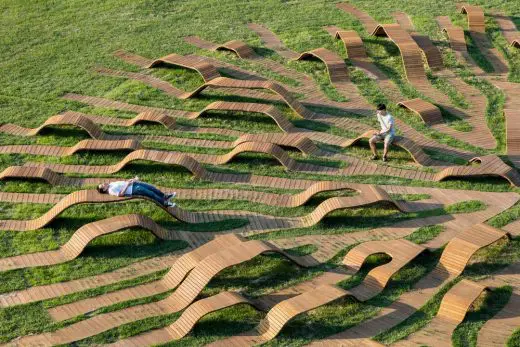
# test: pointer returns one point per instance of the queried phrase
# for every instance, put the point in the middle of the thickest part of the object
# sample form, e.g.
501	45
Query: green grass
49	48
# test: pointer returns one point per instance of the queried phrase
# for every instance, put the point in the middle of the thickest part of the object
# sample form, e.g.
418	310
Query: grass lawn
49	48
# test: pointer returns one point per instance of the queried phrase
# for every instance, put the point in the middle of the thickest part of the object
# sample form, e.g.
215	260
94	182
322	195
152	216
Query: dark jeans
149	191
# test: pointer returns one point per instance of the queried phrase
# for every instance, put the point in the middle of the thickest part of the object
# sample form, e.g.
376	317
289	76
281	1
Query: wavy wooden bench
92	197
498	330
92	129
272	199
185	323
183	296
415	151
352	42
370	194
479	136
477	30
410	51
368	22
83	236
476	19
336	67
178	271
401	251
454	259
238	47
453	309
271	41
508	29
278	316
269	110
339	78
455	34
489	165
429	113
84	145
192	162
432	53
79	120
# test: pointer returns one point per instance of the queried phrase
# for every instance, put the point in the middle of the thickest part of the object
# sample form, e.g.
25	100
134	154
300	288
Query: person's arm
123	191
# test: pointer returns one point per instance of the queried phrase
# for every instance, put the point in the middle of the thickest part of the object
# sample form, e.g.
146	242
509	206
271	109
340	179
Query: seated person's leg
372	142
388	142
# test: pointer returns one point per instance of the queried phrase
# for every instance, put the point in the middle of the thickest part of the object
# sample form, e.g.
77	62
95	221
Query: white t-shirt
387	123
115	188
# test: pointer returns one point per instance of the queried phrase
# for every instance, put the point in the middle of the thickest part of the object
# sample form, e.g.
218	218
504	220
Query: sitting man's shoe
171	196
374	157
169	204
385	159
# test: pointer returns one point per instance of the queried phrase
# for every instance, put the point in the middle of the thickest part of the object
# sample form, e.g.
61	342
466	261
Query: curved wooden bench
150	80
219	82
83	236
404	20
368	195
429	113
368	22
353	44
476	19
401	251
178	271
499	329
410	51
91	197
238	47
268	110
432	53
81	122
454	259
508	29
336	67
84	145
185	323
453	309
477	30
490	165
183	296
146	114
191	162
271	41
415	151
460	249
455	34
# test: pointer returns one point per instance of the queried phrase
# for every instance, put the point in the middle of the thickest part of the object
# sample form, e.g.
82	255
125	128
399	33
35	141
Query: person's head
102	188
381	109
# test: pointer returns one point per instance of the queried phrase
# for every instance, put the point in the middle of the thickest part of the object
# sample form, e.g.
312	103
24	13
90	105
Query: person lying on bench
386	134
134	187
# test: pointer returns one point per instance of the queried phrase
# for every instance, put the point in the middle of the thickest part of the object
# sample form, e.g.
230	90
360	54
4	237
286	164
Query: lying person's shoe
169	204
171	196
374	157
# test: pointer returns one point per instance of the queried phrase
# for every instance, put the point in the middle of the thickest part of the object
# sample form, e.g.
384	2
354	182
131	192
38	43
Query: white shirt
115	188
387	123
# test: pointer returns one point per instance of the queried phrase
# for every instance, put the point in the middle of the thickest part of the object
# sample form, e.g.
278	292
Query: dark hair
100	189
381	107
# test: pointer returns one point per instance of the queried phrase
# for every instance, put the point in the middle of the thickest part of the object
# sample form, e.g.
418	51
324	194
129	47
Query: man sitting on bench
386	134
134	187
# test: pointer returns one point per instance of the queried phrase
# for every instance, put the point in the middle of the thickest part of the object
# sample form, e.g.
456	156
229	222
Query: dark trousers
149	191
